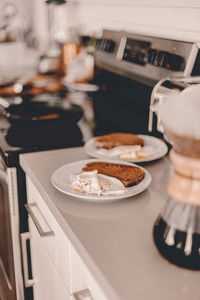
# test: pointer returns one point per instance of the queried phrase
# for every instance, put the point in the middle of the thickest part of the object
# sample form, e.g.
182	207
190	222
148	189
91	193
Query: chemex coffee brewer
176	231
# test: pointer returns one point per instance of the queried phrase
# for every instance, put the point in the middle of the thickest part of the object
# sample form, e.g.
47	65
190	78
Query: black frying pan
31	112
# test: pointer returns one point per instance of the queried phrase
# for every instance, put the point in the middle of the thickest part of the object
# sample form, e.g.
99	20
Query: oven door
121	105
7	279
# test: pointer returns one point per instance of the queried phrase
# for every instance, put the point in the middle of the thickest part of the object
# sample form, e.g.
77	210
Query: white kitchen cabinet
48	284
55	241
82	280
58	271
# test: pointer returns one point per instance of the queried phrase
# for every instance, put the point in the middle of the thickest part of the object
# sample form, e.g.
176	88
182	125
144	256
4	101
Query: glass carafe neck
185	185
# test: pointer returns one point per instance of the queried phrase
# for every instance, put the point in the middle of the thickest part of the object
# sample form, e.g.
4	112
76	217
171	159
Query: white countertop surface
115	239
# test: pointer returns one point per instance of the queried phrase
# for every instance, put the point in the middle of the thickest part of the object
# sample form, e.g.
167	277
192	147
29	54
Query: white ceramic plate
60	180
157	144
82	87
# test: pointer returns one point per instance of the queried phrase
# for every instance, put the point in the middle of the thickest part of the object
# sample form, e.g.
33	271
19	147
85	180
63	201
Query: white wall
179	19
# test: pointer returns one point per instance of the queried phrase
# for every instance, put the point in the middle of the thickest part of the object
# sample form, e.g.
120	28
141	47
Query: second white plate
157	144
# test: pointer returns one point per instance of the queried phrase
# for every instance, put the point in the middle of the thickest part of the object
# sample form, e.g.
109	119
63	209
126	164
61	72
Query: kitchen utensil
159	95
61	181
24	111
177	229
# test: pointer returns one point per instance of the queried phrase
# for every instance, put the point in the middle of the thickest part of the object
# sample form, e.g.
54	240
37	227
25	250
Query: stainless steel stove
127	68
13	217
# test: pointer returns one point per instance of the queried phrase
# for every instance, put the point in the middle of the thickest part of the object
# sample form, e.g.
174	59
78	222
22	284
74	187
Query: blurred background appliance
63	42
16	39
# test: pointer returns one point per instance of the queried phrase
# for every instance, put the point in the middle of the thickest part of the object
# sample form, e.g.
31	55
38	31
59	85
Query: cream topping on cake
96	184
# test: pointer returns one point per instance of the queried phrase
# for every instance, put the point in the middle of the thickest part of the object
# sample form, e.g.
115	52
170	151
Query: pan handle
6	103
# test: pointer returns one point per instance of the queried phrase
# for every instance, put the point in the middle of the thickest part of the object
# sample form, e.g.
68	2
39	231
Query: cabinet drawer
82	279
55	241
48	283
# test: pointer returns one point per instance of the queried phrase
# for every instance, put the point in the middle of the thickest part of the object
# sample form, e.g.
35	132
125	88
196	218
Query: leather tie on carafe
185	185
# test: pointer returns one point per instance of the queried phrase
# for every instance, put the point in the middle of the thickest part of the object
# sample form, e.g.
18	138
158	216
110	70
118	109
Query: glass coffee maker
176	231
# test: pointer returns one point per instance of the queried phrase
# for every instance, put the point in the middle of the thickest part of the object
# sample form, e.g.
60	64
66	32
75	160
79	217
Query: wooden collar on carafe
185	185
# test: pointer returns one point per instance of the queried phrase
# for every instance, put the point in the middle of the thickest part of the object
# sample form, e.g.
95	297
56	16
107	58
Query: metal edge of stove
148	74
15	230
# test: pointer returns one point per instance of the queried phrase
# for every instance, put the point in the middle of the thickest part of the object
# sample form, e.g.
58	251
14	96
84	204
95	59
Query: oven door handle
24	237
39	220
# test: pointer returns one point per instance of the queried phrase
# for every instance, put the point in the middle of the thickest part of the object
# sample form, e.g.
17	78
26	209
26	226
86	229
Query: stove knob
141	57
109	46
162	59
174	62
151	56
98	44
102	45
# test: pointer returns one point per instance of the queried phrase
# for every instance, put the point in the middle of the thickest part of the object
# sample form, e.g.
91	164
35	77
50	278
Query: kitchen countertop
115	239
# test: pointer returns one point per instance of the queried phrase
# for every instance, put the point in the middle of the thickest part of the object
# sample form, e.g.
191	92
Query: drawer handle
39	220
83	295
24	237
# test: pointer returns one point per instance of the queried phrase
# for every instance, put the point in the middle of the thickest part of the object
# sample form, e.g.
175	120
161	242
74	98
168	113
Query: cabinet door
83	284
56	242
49	284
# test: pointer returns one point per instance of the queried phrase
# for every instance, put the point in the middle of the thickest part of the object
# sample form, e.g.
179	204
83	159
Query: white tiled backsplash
178	19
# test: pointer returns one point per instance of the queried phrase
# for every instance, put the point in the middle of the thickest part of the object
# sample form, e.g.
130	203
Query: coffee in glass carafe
176	232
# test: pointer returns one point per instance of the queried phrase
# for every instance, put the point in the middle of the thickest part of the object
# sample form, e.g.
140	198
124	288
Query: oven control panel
144	58
106	45
166	60
141	53
136	51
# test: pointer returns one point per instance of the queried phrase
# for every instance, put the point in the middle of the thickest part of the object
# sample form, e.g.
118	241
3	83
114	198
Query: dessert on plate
106	179
112	140
125	146
128	175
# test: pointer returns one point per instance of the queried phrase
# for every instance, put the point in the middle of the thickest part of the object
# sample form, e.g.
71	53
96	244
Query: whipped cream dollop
127	152
96	184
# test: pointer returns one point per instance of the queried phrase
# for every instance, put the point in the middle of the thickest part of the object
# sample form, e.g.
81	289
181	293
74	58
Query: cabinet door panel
48	284
82	279
57	245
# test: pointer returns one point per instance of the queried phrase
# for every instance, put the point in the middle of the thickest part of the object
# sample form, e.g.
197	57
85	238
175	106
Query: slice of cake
112	140
128	175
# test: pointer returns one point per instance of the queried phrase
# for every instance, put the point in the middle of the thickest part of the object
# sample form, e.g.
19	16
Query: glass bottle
57	21
51	63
